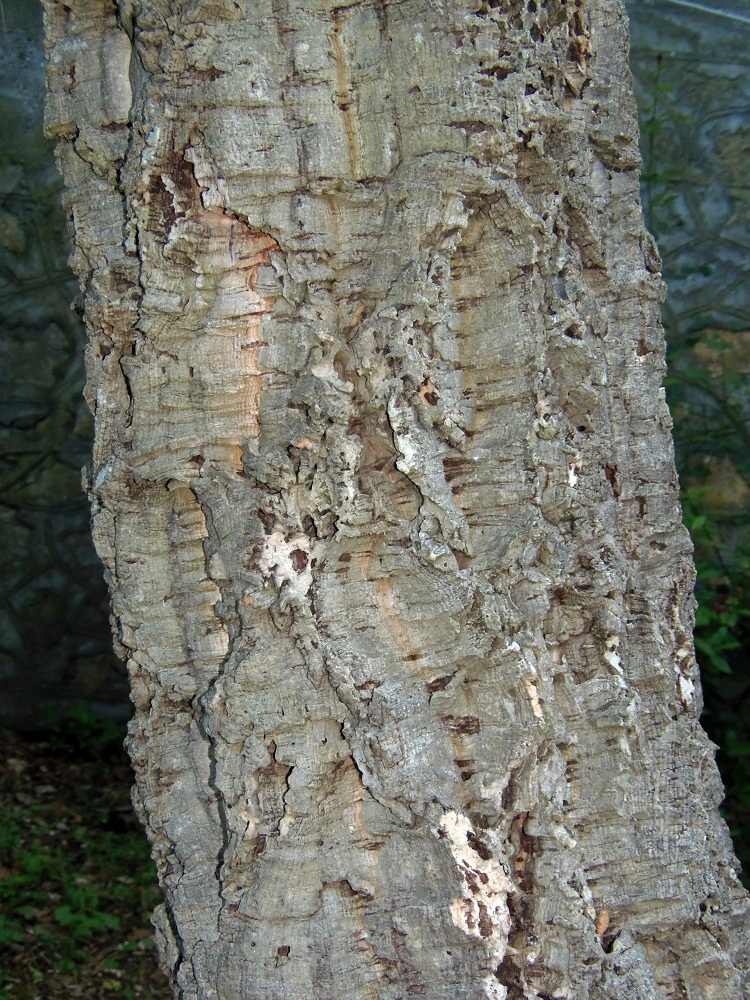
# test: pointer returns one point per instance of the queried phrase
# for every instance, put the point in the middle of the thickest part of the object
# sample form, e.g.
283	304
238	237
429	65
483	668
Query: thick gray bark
384	488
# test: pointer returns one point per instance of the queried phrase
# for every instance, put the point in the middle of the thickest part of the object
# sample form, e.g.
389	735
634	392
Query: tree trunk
384	488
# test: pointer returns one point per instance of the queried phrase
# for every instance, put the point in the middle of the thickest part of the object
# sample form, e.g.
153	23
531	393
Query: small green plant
36	875
82	913
77	884
722	610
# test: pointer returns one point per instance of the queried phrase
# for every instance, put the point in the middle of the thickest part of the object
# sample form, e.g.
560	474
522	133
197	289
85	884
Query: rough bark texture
384	489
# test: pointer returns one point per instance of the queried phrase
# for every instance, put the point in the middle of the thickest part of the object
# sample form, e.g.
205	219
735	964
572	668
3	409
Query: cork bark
384	489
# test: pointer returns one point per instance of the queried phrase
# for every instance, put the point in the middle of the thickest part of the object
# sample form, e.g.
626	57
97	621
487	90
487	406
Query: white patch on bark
279	560
574	467
494	991
687	689
611	656
482	910
683	665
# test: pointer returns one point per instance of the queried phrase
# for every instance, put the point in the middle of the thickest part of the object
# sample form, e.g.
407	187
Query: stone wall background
692	79
55	641
692	76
